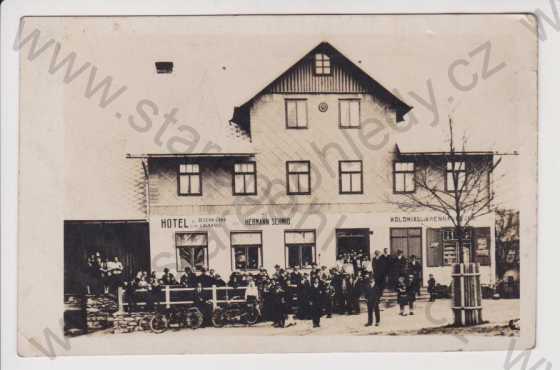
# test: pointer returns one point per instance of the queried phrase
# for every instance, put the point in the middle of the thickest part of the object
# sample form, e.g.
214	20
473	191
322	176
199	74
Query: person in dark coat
206	280
316	302
432	288
200	302
167	278
398	268
279	309
303	298
411	293
415	268
346	288
219	281
129	295
402	294
379	265
371	293
295	276
328	297
336	279
186	279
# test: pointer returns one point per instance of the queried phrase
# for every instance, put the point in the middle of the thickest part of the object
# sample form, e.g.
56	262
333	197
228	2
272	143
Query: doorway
353	242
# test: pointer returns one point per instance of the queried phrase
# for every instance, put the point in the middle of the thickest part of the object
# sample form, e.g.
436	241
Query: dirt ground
428	318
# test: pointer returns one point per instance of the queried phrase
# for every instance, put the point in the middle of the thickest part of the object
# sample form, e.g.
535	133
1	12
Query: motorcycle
176	318
246	313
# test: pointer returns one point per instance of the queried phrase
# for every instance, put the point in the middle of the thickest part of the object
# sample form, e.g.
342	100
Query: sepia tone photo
280	183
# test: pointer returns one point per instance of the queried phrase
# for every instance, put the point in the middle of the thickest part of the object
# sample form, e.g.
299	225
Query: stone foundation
99	312
124	322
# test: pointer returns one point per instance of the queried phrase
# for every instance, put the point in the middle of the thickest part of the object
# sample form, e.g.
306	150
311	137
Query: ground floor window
300	248
246	250
351	243
192	250
407	240
443	246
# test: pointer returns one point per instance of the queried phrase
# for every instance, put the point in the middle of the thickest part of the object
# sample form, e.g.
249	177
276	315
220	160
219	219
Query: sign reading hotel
218	221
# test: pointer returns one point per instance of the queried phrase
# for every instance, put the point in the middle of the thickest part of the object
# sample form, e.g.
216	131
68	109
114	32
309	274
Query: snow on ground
430	316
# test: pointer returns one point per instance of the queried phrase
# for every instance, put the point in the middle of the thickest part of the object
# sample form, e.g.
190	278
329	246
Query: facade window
443	247
246	249
298	175
192	250
189	181
350	177
300	248
407	240
245	178
322	64
451	247
349	113
296	113
459	169
403	177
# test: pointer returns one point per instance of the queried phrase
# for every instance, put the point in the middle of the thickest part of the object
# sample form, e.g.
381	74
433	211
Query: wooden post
167	297
214	297
467	294
120	293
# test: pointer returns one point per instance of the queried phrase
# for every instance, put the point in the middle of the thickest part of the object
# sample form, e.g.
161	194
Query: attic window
164	67
322	64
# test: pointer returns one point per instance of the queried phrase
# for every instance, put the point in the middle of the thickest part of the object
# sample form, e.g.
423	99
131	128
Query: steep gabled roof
366	84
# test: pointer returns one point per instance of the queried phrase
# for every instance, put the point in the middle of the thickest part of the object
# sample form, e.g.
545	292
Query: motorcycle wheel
159	323
251	316
194	318
218	320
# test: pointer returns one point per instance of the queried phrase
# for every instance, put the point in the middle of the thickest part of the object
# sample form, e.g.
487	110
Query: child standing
402	294
432	287
411	289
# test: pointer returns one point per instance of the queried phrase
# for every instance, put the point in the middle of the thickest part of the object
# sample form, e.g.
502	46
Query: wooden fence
177	295
467	295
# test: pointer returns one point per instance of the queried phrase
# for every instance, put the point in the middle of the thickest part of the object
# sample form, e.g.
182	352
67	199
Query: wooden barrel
467	295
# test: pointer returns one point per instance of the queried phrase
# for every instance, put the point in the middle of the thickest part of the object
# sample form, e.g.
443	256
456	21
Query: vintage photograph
288	176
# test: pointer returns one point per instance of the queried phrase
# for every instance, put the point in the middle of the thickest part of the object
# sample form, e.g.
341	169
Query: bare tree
456	184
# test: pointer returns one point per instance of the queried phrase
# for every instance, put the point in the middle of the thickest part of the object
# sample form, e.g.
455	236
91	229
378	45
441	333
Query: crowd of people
306	294
104	274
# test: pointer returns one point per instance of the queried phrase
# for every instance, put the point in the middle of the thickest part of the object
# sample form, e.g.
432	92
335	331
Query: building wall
218	212
323	221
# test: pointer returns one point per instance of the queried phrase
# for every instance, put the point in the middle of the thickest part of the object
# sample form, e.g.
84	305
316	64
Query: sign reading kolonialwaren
307	183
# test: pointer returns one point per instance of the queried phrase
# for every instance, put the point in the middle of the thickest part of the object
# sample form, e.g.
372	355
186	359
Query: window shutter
434	247
481	240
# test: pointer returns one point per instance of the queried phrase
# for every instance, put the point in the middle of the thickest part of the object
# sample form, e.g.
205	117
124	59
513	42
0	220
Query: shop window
443	248
407	240
192	250
300	248
451	247
482	245
349	113
296	113
458	170
298	175
322	64
245	178
403	177
246	250
189	180
350	177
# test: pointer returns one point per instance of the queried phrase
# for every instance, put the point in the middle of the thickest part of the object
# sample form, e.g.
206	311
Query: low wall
99	312
124	322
